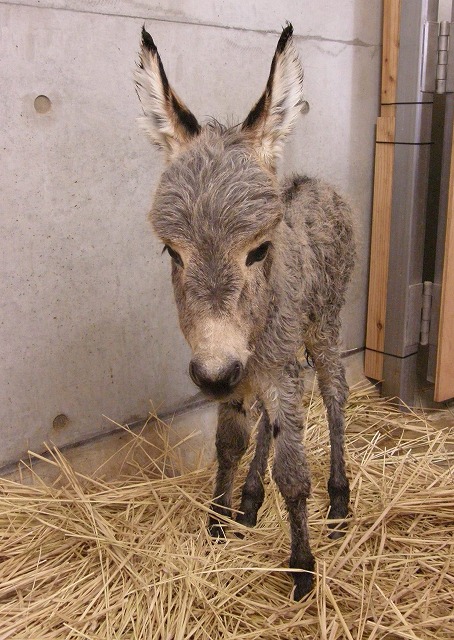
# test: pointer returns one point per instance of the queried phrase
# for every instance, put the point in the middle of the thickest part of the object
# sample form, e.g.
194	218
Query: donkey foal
259	268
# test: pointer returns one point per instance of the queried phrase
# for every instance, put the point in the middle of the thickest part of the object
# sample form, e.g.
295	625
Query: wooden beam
444	374
390	56
382	199
379	254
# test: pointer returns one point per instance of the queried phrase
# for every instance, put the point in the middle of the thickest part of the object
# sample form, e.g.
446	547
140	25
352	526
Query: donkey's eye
174	255
258	254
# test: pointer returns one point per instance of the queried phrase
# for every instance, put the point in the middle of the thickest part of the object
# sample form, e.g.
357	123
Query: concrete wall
87	324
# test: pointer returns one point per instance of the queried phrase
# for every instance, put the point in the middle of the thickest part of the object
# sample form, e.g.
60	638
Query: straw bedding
131	558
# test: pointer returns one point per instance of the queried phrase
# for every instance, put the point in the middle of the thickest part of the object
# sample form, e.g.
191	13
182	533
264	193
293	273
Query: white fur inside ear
156	121
287	92
285	103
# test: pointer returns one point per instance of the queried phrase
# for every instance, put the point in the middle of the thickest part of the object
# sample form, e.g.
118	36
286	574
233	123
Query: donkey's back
320	228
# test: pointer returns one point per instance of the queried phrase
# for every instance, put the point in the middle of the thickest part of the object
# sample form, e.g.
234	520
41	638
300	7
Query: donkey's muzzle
217	384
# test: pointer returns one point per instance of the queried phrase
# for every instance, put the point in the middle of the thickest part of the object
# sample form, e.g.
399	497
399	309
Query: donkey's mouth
217	392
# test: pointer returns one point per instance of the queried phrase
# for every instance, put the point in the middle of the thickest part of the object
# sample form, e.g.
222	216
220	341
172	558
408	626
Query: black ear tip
286	34
147	41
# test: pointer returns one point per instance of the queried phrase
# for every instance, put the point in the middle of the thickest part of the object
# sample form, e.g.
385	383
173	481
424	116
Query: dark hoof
248	519
304	583
338	529
337	534
303	580
216	530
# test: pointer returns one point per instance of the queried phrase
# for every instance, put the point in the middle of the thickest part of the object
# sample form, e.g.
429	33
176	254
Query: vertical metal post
410	176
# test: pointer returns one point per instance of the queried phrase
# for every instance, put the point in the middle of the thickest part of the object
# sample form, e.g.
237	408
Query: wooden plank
379	254
444	373
390	56
382	199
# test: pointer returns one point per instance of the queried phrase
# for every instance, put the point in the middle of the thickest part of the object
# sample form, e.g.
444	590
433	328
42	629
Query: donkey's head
217	210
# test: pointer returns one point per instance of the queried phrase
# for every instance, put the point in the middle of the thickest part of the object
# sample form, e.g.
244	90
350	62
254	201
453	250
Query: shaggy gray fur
218	200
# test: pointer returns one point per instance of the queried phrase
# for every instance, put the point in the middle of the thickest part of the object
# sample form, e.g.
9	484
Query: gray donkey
259	268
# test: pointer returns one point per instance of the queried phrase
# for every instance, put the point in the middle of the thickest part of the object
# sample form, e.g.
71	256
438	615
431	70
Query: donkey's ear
271	119
167	121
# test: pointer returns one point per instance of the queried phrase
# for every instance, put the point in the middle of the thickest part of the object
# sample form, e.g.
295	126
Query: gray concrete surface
87	321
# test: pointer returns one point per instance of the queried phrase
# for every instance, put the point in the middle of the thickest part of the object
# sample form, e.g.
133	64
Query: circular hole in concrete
42	104
60	421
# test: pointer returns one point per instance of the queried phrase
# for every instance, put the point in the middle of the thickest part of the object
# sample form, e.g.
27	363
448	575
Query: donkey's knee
331	379
290	471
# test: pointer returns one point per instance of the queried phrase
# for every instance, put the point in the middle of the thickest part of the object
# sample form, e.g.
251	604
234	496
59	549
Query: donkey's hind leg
334	390
232	438
253	491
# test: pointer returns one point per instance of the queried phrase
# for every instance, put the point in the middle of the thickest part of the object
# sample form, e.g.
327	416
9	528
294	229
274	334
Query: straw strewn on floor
92	559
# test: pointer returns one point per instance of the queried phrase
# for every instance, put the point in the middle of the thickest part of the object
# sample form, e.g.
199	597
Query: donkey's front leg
232	438
253	491
291	475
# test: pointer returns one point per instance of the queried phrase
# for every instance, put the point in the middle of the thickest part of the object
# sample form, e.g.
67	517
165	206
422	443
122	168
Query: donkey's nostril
196	374
234	373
